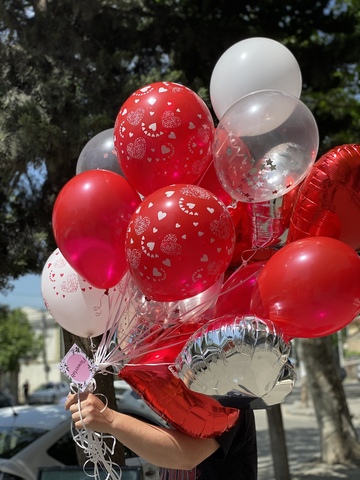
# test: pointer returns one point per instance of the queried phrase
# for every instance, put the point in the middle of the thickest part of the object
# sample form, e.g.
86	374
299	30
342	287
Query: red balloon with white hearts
163	134
179	242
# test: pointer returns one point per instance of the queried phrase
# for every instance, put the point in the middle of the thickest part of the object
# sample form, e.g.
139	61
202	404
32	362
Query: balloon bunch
205	250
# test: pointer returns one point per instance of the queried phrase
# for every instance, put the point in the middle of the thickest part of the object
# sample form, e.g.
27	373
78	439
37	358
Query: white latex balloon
250	65
77	306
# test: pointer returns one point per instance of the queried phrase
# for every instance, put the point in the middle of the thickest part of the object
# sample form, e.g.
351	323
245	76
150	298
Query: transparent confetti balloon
265	145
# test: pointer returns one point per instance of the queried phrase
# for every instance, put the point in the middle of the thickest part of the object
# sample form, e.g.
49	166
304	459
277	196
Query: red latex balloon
235	294
189	412
237	211
309	288
328	203
179	242
211	182
163	134
90	217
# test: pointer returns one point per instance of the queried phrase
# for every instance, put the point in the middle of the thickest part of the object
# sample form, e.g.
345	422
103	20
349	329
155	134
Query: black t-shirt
236	458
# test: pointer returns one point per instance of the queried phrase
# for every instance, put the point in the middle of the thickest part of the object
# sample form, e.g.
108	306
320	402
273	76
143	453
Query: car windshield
14	439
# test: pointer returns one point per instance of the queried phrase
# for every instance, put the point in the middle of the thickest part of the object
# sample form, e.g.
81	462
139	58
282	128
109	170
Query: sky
26	293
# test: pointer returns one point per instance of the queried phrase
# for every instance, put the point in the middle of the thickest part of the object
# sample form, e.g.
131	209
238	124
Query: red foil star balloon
328	203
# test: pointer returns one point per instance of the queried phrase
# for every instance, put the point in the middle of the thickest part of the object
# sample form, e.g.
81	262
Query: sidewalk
302	439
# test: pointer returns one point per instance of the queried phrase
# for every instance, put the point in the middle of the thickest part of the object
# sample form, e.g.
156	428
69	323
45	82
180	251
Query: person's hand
88	411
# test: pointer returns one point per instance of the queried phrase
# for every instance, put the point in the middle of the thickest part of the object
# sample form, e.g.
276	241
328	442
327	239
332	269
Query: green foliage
68	66
17	340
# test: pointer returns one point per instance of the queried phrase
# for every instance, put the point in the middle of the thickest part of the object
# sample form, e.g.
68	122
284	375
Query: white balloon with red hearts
77	306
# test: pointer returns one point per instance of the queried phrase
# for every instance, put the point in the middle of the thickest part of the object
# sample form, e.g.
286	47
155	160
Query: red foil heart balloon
328	203
189	412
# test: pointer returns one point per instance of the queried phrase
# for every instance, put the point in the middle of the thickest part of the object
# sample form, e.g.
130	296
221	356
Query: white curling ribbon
97	451
137	320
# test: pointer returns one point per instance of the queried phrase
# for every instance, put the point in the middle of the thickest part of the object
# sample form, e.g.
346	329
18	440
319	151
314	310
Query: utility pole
45	359
278	443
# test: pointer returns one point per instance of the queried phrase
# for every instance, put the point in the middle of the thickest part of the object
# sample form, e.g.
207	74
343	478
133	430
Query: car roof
49	385
121	384
41	416
49	416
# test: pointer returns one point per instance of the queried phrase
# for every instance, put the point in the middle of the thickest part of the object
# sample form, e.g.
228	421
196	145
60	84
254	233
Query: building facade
45	368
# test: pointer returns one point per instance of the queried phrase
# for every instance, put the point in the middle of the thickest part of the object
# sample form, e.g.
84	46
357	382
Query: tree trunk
278	443
104	385
338	438
14	383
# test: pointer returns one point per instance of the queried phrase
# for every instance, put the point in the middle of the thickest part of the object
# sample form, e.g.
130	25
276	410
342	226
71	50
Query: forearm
161	446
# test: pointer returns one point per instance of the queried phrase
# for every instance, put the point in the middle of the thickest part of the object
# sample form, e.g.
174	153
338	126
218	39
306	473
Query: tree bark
14	383
104	385
338	438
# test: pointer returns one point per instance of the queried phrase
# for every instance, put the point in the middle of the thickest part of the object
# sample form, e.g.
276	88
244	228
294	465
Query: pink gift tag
78	367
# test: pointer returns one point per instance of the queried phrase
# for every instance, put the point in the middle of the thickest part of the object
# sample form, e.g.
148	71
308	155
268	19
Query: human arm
161	446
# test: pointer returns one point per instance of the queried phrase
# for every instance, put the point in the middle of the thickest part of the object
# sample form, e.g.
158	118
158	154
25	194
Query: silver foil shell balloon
281	389
241	354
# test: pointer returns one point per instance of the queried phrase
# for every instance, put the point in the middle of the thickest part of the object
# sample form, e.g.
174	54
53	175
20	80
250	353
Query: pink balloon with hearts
179	242
163	134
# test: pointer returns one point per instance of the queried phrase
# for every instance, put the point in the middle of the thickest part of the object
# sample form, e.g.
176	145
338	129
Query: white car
49	393
121	387
32	437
